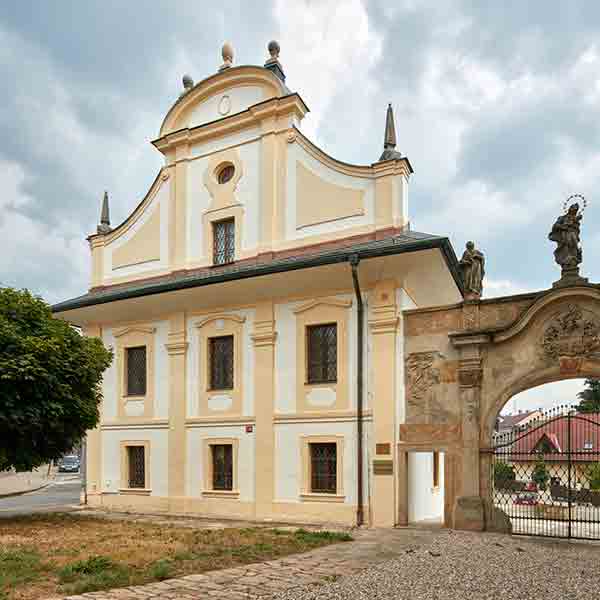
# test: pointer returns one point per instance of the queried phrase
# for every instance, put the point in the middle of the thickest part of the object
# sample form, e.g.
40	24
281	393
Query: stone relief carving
422	374
470	316
573	332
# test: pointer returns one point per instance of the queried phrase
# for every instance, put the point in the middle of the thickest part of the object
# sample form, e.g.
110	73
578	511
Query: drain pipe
354	260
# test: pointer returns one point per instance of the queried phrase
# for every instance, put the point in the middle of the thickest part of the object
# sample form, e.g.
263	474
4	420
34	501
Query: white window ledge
317	497
135	491
233	494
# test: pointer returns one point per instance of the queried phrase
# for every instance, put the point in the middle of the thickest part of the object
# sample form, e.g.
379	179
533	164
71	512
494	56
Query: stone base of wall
469	513
291	512
496	519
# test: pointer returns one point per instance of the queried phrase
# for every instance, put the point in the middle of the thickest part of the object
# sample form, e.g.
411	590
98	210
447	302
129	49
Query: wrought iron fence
546	475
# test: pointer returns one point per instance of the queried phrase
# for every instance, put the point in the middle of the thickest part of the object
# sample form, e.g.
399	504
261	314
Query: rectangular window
220	357
222	466
224	242
436	469
322	353
136	466
135	369
323	468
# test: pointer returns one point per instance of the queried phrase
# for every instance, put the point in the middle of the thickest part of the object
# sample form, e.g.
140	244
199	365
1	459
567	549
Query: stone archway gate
464	362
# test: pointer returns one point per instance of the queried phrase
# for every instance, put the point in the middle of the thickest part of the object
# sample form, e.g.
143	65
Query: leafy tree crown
49	382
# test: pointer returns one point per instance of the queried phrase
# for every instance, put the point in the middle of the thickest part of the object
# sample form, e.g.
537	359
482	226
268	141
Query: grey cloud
111	66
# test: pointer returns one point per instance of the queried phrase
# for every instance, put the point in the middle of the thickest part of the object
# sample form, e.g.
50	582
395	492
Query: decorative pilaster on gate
469	508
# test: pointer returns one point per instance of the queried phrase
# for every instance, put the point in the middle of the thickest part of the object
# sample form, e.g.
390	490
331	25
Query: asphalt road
61	495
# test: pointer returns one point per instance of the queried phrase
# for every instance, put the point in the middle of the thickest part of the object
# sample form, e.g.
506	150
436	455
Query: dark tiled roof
407	241
510	420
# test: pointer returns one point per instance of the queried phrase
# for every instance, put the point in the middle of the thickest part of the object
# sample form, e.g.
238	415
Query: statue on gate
566	233
472	268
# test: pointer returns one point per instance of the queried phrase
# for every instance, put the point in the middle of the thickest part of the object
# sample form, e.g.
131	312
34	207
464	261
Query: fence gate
546	475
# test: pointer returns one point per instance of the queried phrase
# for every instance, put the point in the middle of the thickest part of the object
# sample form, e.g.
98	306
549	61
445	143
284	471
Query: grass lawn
54	555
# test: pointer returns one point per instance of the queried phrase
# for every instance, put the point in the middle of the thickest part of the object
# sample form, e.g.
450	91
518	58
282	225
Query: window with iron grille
136	462
223	242
222	466
322	353
323	468
220	358
135	365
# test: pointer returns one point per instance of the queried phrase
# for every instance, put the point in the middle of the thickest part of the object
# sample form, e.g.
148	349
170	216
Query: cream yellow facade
231	416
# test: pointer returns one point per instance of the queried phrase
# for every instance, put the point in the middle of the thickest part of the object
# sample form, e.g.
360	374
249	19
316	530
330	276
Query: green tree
592	474
49	382
504	474
540	474
590	397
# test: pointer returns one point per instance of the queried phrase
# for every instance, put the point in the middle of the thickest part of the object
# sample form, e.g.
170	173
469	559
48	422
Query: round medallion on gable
224	105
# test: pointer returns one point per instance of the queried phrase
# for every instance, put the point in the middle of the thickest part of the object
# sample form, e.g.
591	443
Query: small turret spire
389	140
104	226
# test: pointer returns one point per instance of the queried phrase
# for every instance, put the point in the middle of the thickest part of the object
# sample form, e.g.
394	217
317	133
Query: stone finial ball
273	48
227	52
187	81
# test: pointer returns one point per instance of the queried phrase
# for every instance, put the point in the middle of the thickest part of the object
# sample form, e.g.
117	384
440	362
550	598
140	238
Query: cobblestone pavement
467	566
399	564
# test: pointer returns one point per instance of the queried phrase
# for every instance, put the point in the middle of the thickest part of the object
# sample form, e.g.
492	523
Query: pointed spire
104	226
389	140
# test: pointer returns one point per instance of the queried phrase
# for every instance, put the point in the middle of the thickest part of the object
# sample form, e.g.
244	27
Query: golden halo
575	198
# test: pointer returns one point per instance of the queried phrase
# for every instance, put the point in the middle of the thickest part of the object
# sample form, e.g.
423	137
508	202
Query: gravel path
465	566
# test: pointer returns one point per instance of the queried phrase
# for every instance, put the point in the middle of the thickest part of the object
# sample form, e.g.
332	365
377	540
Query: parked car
527	499
69	464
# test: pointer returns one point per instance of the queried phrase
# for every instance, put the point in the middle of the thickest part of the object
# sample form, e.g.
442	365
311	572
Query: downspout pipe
354	261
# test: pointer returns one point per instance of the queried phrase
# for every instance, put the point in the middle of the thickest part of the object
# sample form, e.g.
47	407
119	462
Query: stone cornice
325	301
175	348
384	325
133	329
264	338
207	320
267	112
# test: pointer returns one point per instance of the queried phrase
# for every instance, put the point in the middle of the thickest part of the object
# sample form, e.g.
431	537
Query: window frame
314	488
306	492
331	396
228	477
212	384
126	351
229	241
126	337
125	467
208	490
324	379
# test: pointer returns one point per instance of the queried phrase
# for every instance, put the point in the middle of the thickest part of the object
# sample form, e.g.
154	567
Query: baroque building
254	302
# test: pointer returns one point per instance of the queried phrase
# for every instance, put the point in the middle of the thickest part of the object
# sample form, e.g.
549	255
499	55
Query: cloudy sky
497	106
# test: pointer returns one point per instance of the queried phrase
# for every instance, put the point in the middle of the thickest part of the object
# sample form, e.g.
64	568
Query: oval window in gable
225	173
